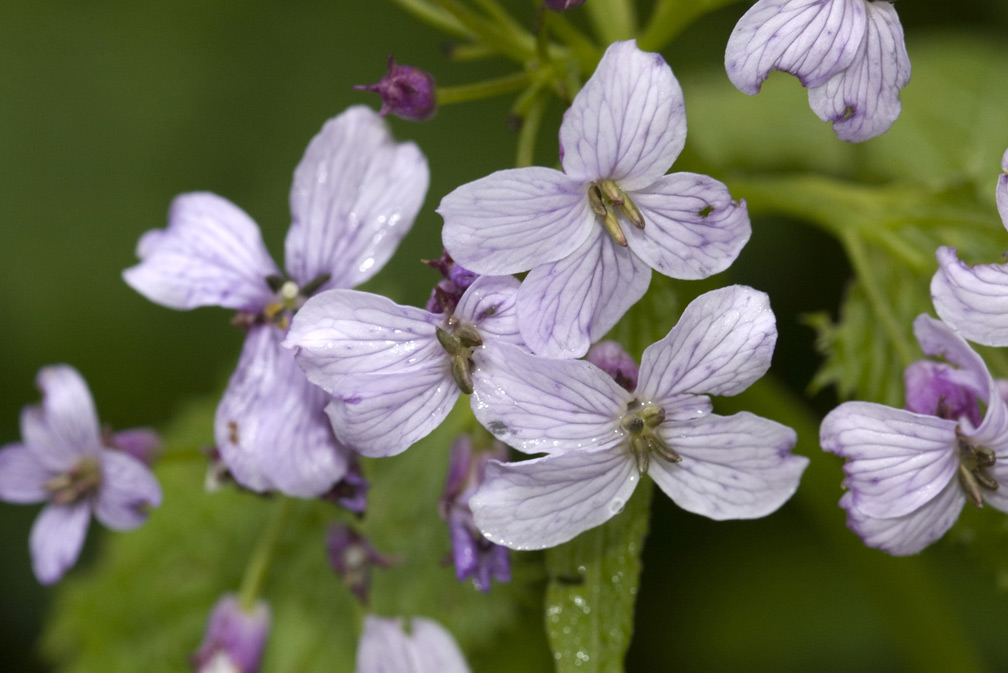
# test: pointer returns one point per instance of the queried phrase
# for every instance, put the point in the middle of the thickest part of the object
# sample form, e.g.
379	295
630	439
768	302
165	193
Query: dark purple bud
350	492
446	294
141	443
406	92
234	639
936	389
352	556
563	5
610	357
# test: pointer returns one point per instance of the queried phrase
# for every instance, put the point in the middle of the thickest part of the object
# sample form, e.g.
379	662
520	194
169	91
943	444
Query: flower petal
65	425
863	101
435	650
211	254
270	426
692	228
384	414
355	195
535	404
345	332
1001	191
721	344
386	648
56	539
490	304
564	306
512	220
912	532
973	300
628	122
22	475
546	501
896	460
128	490
811	39
733	467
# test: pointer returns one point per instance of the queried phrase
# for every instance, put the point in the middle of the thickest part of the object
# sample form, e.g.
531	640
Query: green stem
262	557
435	17
461	93
461	53
612	19
518	46
581	47
670	17
529	131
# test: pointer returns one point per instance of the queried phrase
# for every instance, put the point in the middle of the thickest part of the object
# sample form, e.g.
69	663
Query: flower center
460	339
606	200
641	421
76	484
288	298
972	473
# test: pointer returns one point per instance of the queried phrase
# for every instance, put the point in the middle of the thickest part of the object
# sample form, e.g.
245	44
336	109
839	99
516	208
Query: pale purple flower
590	235
235	638
406	92
63	462
473	554
849	54
600	438
386	647
974	300
355	194
352	556
394	372
910	471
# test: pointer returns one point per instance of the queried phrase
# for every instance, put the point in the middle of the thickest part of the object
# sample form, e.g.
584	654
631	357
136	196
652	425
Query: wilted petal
563	307
722	344
270	426
64	426
733	467
22	475
57	538
896	460
811	39
128	491
383	415
512	220
543	502
345	332
489	304
973	300
863	101
912	532
386	648
539	405
628	122
211	254
355	195
692	227
938	389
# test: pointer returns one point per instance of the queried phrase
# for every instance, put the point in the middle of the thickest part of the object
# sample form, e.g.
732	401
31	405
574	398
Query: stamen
462	374
314	284
970	486
448	341
75	484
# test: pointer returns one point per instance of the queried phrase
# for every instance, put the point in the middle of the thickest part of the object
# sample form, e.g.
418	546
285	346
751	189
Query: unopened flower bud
406	92
235	638
610	357
352	556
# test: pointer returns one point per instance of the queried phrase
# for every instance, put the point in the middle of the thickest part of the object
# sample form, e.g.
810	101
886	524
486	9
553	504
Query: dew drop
616	506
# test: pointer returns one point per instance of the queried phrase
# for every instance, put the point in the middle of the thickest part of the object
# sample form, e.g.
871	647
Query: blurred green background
109	109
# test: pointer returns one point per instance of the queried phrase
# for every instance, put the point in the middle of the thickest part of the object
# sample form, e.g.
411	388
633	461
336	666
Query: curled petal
546	501
692	227
564	306
22	475
347	332
896	460
65	425
355	195
863	101
211	254
57	538
490	304
811	39
270	427
973	300
512	220
912	532
128	491
535	404
734	467
722	344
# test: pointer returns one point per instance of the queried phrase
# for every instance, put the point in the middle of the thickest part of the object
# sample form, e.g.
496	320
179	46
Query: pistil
642	423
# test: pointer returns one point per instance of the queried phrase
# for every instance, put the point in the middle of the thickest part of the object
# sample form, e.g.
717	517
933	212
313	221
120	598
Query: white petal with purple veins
863	100
211	254
539	405
355	195
896	460
692	228
628	122
973	300
64	426
128	490
564	306
910	533
490	304
733	467
546	501
811	39
722	344
56	539
512	220
22	475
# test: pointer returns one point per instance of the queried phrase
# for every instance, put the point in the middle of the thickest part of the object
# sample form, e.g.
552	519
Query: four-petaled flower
590	235
64	462
849	54
910	471
600	438
354	197
385	647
